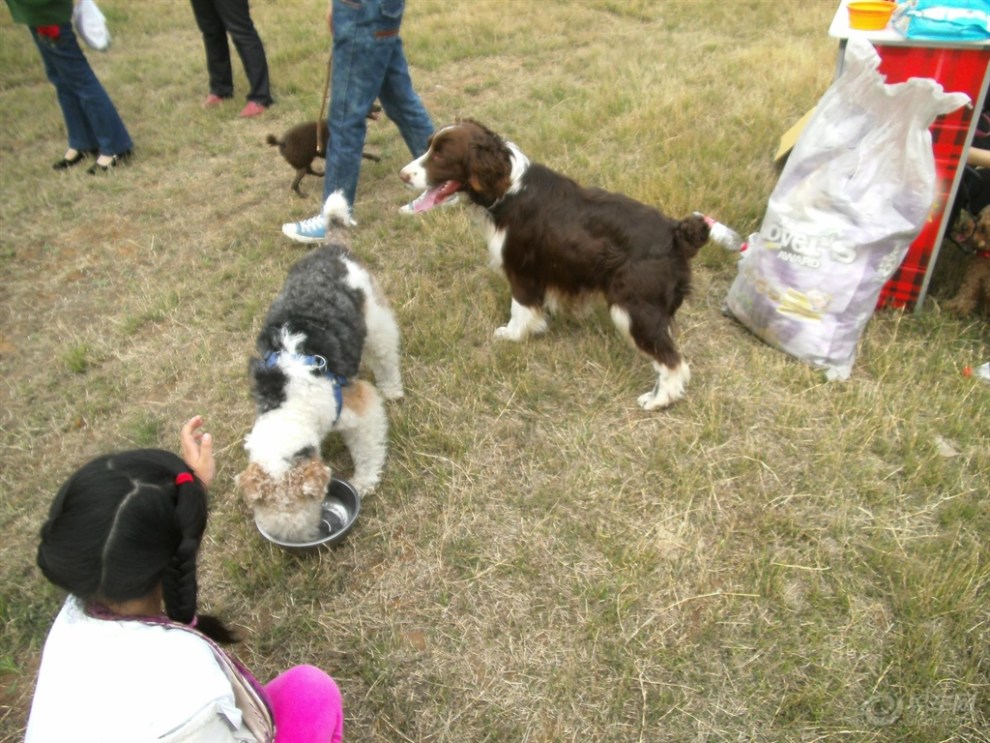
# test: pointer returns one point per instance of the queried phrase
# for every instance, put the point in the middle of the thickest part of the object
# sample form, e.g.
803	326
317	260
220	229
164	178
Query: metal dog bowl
341	507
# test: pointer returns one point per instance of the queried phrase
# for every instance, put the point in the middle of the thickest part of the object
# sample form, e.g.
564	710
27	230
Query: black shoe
114	162
67	162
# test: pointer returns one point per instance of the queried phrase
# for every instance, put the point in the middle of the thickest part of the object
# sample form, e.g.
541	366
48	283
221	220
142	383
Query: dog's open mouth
433	197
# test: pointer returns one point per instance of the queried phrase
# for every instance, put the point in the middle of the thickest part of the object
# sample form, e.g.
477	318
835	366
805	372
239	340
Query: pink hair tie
195	621
183	478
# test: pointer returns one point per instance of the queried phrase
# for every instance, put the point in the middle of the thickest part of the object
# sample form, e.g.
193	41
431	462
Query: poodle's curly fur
290	507
329	317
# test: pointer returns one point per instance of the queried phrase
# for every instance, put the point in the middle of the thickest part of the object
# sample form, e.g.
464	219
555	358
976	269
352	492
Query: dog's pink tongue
434	196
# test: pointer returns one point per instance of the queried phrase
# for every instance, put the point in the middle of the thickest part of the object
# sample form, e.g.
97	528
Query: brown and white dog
556	240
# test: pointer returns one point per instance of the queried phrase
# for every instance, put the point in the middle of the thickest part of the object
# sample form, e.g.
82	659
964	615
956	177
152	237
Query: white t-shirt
105	681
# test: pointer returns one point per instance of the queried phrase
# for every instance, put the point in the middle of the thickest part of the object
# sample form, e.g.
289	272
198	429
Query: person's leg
237	20
90	116
359	64
403	105
217	51
307	706
81	137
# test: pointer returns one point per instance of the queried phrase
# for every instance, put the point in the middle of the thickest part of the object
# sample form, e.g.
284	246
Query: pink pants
307	706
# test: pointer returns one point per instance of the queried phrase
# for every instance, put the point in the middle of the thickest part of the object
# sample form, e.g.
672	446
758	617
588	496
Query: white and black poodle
329	317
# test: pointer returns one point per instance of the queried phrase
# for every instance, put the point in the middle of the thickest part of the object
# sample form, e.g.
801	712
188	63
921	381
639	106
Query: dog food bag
855	192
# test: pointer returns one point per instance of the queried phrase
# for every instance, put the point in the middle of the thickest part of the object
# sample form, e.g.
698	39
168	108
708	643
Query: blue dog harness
337	381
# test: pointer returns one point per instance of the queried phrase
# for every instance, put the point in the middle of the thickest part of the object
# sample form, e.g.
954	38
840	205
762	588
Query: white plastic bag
91	25
855	192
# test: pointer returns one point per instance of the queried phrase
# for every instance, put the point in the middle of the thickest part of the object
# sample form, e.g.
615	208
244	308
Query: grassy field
775	558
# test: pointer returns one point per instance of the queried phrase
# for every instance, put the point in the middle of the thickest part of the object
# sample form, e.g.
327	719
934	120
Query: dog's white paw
511	333
669	387
364	485
520	331
507	333
391	392
523	322
653	401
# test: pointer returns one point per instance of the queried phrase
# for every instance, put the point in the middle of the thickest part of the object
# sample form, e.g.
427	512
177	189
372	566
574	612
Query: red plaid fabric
957	71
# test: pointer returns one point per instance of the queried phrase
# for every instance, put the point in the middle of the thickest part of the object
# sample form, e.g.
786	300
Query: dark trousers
216	19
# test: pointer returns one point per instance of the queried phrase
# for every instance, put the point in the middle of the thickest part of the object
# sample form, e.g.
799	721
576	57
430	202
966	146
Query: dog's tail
337	211
690	234
273	140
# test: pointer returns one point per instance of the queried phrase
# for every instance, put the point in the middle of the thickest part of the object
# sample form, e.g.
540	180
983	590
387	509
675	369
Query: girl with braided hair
128	657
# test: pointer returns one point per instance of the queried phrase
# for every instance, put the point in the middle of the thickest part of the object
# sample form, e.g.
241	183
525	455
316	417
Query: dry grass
775	558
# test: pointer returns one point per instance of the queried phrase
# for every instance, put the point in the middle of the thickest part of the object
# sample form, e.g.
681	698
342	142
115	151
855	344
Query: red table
962	67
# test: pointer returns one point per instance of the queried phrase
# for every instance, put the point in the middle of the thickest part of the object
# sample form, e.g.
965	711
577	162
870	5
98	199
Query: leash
337	381
321	146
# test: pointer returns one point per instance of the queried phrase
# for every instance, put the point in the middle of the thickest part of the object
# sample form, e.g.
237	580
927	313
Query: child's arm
978	158
197	450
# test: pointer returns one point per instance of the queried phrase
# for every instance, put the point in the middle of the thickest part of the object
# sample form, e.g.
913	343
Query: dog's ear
268	385
690	234
253	484
981	232
307	478
489	168
316	477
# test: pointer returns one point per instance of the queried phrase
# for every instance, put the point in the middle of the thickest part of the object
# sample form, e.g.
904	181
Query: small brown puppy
974	292
298	146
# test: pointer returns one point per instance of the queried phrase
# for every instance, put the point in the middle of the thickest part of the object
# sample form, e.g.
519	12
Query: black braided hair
121	525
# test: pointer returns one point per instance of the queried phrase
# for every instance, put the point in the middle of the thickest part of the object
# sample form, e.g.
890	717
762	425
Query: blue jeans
90	117
368	63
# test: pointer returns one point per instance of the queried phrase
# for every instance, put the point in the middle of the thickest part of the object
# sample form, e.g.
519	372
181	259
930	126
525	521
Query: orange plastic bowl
870	15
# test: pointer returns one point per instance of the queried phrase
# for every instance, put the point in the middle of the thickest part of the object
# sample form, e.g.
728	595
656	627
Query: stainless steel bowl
341	507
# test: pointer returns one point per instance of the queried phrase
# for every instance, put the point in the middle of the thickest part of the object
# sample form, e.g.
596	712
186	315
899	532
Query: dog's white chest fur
306	417
494	237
